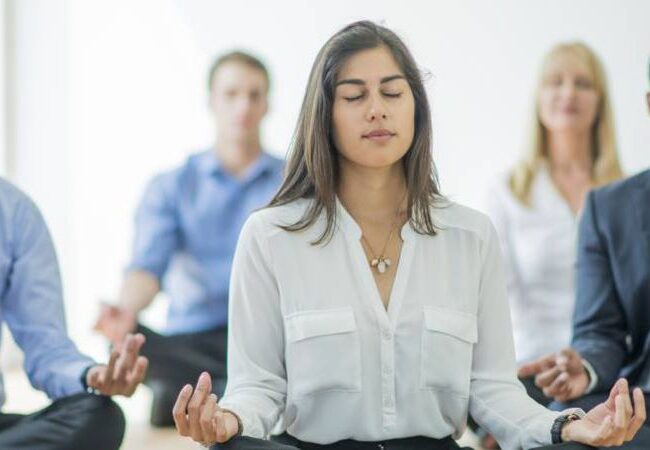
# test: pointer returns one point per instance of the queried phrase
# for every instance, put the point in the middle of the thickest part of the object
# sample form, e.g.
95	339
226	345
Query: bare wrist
235	420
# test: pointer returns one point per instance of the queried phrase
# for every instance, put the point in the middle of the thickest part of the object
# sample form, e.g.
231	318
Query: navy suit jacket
612	314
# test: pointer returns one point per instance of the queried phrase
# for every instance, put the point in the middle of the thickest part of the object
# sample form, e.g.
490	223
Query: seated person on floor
187	226
81	416
611	324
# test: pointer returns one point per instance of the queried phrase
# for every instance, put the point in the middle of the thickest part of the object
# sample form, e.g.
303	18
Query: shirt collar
546	196
262	166
353	230
544	188
347	224
209	164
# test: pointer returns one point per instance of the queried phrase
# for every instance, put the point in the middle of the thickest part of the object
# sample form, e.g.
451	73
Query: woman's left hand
611	423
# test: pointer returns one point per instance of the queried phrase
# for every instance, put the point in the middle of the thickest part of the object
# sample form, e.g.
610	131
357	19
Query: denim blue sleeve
32	306
157	231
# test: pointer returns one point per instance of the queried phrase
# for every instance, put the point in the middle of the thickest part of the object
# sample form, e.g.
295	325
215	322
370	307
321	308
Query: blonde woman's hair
606	167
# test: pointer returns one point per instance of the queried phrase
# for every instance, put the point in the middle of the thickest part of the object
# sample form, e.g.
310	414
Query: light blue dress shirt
31	302
187	227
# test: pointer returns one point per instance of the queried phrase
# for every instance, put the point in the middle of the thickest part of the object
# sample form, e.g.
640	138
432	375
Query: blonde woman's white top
311	343
539	247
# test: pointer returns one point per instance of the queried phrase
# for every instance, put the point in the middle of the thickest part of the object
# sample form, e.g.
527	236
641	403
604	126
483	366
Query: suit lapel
642	206
642	203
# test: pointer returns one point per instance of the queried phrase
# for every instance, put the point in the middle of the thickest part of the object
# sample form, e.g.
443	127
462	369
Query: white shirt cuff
593	378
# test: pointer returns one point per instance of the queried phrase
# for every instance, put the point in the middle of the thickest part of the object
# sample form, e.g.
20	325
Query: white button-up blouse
539	246
311	343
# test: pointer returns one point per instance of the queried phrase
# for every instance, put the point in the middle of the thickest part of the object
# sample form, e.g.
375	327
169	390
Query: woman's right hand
613	422
198	416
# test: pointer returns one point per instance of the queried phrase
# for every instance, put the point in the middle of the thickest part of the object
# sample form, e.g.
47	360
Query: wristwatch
560	421
84	381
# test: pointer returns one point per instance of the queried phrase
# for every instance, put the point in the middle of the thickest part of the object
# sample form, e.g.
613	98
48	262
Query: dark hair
312	168
239	57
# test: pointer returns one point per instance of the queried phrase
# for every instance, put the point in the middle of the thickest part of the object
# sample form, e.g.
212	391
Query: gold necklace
382	262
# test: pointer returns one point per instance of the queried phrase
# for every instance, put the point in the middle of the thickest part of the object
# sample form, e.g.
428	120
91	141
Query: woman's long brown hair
312	169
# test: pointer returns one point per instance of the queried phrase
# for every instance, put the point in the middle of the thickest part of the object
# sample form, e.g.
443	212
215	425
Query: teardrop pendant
381	266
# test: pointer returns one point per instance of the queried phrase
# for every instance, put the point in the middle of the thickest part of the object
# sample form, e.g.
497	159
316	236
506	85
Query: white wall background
110	92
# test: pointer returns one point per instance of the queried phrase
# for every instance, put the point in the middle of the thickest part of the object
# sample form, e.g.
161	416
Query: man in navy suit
611	327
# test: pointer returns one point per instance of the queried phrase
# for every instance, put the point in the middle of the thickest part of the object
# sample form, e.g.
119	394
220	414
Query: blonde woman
535	209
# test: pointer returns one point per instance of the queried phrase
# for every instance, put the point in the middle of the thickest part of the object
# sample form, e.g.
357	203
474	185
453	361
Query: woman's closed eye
353	98
583	83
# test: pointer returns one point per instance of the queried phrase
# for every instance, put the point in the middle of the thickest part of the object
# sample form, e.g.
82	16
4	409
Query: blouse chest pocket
323	351
448	338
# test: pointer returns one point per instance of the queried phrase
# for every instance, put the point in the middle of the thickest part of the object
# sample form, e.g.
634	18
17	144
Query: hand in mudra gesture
561	376
613	422
123	373
198	415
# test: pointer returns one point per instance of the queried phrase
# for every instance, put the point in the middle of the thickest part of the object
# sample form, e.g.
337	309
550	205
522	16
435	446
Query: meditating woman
366	310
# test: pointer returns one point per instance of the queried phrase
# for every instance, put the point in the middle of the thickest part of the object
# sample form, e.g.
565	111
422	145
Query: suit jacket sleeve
599	327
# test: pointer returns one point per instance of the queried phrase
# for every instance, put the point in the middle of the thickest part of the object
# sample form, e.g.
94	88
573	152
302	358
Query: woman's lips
379	135
569	110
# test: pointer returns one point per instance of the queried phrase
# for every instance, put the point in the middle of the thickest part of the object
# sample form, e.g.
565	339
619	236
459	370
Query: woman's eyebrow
360	82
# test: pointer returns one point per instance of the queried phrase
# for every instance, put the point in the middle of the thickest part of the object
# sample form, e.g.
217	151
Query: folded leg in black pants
78	422
177	360
287	442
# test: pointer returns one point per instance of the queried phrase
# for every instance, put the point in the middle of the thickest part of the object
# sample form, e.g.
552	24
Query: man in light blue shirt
31	305
187	226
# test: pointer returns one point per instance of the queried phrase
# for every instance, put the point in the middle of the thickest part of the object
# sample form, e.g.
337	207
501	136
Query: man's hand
115	323
197	414
561	376
611	423
125	369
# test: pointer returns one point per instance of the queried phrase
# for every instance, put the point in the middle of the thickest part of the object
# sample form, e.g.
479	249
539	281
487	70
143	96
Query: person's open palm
115	323
613	422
